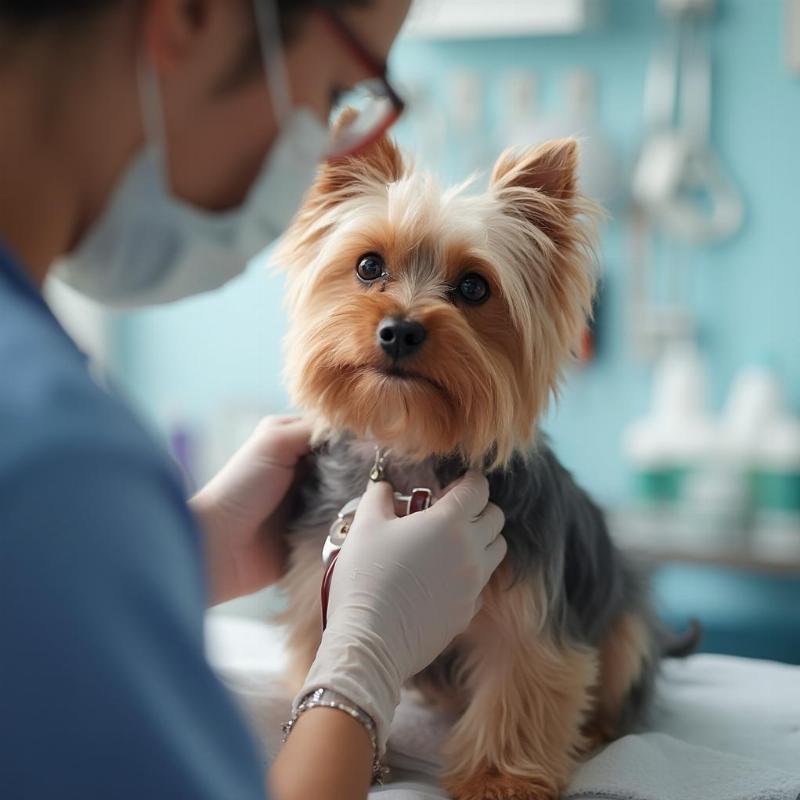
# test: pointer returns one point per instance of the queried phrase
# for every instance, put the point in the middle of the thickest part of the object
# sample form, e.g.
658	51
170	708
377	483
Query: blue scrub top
105	691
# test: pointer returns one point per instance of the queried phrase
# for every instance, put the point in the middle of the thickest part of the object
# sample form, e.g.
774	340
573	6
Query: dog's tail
683	644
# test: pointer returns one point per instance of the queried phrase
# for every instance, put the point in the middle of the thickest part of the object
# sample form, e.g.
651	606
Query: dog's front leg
521	732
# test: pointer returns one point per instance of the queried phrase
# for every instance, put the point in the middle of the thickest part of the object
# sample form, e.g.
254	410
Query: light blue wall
746	292
195	356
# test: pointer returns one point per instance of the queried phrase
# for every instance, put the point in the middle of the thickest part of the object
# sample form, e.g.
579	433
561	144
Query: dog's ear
548	218
338	180
540	184
549	168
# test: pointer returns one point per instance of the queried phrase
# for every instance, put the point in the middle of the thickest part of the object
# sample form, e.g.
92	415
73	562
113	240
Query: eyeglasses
361	115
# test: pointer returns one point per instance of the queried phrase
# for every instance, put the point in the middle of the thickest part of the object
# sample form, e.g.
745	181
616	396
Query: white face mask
149	247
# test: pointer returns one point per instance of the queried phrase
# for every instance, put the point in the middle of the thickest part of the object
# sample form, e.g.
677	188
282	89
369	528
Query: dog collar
404	504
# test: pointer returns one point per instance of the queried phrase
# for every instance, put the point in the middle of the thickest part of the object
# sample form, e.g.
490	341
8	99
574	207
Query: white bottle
776	487
751	438
672	445
755	401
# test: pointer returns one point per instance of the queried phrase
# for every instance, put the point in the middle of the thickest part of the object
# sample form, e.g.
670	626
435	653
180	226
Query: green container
662	485
777	491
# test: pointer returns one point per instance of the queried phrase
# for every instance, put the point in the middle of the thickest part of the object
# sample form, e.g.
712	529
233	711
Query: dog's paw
501	787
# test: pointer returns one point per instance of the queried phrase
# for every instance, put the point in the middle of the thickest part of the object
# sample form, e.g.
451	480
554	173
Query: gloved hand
239	508
402	590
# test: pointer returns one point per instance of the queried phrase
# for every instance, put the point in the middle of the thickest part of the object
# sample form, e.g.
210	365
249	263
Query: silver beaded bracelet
328	698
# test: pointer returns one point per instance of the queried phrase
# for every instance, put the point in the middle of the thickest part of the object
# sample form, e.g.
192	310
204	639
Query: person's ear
171	28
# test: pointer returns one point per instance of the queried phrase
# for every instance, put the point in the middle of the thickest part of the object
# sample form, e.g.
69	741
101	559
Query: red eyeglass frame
378	69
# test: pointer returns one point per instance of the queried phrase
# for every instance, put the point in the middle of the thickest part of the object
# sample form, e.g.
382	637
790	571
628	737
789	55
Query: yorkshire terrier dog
435	324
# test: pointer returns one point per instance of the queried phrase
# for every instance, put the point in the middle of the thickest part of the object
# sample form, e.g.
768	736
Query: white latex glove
239	509
402	590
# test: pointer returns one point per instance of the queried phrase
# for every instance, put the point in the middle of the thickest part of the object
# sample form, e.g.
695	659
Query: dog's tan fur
486	398
532	701
529	699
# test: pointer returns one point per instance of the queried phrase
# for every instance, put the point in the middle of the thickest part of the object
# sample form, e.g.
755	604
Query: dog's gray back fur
553	530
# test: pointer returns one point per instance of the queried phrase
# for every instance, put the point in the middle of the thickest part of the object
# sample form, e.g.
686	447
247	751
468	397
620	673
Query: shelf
793	35
649	536
471	19
741	560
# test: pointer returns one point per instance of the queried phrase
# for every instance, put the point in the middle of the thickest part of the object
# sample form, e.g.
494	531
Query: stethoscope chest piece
404	504
339	529
419	499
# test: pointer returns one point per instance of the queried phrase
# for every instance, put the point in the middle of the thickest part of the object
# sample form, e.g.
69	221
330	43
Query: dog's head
437	322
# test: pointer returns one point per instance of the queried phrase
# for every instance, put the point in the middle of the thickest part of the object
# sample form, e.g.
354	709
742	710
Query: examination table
722	728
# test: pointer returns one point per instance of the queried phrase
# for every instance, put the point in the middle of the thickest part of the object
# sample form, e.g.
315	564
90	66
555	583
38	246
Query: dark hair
25	16
33	12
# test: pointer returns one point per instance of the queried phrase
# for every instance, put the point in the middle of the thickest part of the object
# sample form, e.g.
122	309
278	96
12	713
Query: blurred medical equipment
521	100
674	444
793	35
677	432
599	171
762	436
463	19
681	191
465	116
679	179
717	484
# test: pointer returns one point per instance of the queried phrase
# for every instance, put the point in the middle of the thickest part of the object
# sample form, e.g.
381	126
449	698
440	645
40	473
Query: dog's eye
474	289
370	267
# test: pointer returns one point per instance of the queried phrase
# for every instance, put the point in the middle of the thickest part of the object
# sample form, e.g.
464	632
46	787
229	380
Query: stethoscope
404	504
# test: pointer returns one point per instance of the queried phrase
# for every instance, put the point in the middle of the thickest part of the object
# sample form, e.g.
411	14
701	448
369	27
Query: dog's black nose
400	337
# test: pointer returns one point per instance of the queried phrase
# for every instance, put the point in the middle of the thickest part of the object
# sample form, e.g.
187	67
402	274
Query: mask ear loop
152	110
274	64
276	74
273	58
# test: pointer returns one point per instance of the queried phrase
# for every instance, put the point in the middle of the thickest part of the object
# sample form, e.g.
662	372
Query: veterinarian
143	150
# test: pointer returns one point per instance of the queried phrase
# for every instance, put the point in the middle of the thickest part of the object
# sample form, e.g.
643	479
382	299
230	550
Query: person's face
220	124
